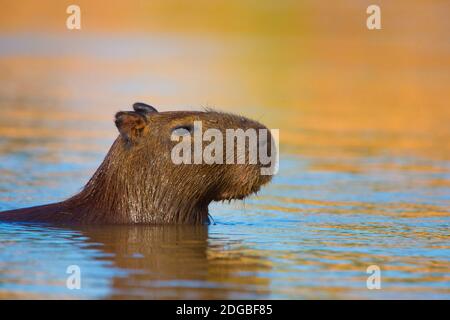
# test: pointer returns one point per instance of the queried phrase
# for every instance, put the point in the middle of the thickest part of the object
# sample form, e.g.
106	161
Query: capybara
139	183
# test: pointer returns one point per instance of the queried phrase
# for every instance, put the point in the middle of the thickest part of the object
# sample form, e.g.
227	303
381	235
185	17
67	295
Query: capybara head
166	167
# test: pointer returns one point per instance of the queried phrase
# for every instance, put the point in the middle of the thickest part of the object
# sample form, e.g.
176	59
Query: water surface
364	168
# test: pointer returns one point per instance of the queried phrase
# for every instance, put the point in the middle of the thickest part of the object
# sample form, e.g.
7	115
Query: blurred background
310	68
363	117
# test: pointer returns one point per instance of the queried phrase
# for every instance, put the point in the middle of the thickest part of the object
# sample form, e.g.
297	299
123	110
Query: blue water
310	234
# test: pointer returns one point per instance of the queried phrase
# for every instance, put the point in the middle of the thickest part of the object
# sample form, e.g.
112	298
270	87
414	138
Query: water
364	167
310	234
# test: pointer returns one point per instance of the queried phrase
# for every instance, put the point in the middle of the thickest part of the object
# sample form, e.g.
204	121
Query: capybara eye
182	130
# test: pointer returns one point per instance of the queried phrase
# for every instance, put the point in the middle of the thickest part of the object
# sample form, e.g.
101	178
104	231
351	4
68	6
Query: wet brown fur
137	183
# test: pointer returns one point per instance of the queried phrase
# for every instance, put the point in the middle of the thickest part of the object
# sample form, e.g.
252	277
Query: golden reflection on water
363	118
156	256
333	86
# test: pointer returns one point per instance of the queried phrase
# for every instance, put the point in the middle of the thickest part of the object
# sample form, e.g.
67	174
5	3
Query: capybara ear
131	125
143	108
